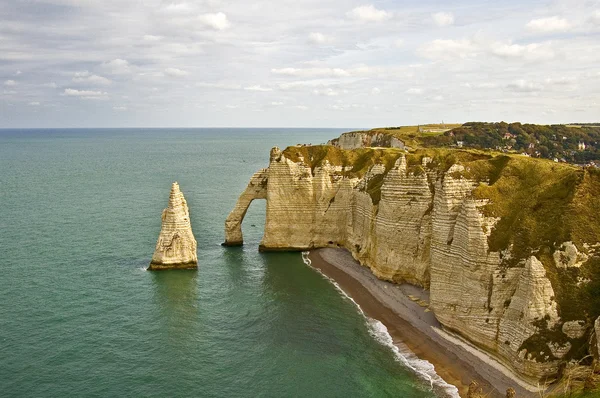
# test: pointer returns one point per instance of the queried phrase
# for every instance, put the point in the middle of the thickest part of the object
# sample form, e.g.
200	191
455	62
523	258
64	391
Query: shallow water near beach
80	316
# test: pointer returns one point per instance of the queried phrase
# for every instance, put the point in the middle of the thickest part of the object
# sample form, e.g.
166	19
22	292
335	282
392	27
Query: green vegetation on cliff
568	143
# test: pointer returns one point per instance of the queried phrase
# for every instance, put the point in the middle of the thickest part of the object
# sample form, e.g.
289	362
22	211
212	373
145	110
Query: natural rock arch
256	189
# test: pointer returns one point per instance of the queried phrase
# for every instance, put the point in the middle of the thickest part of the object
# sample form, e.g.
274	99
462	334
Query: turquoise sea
80	316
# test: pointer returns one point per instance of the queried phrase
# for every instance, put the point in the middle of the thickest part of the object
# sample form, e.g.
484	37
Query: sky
297	63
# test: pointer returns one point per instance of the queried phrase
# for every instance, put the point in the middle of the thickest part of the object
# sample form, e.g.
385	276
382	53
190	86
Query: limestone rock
559	350
363	139
256	189
574	329
475	391
569	256
176	245
421	224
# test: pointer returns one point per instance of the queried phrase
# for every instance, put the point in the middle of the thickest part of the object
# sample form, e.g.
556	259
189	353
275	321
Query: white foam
422	368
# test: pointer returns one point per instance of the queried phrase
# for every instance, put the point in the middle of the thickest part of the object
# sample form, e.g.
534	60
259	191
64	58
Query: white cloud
449	49
443	18
319	38
368	13
152	38
178	8
375	91
117	66
328	92
257	88
217	21
86	94
223	86
528	52
17	73
595	17
321	72
277	103
302	107
524	86
438	98
50	85
399	43
414	91
34	103
548	25
10	83
120	108
86	77
174	72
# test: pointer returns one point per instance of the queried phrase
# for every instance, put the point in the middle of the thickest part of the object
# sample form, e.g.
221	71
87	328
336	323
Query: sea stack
176	245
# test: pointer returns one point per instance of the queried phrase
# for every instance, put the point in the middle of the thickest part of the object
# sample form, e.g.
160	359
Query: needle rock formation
176	245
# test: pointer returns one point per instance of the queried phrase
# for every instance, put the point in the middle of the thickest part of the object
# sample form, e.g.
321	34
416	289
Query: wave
422	368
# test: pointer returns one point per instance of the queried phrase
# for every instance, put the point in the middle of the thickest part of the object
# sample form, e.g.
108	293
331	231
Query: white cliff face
176	245
363	139
422	225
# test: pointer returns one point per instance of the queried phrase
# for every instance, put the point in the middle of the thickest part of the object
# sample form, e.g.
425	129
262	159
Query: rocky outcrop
363	139
176	245
256	189
424	218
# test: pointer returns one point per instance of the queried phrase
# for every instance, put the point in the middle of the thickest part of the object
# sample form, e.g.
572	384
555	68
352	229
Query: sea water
80	316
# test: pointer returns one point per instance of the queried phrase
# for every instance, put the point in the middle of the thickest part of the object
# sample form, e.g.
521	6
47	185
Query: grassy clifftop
568	143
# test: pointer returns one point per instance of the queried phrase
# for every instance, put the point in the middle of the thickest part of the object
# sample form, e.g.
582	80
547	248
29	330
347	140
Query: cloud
375	91
319	38
17	73
368	13
10	83
414	91
86	77
301	107
120	108
117	66
524	86
548	25
152	38
50	85
277	103
528	52
328	92
34	103
438	98
174	72
321	72
443	18
223	86
86	94
257	88
449	49
217	21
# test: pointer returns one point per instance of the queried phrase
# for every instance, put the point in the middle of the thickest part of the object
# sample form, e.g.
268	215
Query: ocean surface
80	316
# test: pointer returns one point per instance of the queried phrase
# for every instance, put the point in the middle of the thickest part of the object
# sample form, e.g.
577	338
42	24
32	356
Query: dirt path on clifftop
401	308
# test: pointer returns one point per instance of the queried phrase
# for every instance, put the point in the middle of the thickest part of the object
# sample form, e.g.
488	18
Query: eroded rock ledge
506	244
176	245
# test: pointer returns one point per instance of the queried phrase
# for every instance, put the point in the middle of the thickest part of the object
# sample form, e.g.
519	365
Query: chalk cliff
505	244
176	245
